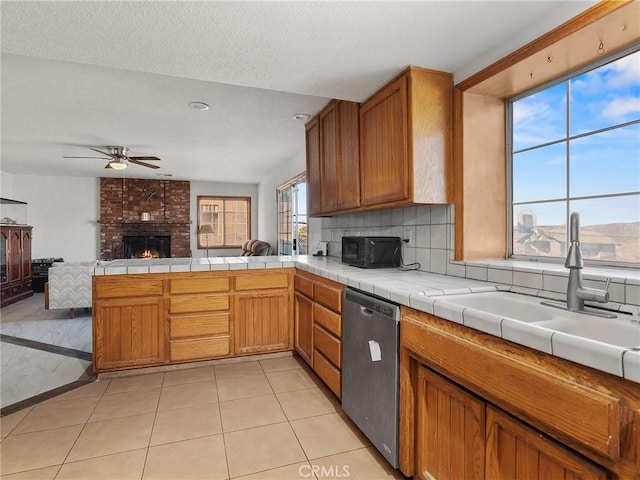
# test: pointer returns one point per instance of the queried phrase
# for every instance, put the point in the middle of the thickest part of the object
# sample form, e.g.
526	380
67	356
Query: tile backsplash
431	228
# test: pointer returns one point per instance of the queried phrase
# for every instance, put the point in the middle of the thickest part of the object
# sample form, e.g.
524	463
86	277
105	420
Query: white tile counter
423	291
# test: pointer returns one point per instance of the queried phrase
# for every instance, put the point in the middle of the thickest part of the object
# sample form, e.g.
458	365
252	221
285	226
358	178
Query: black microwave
371	252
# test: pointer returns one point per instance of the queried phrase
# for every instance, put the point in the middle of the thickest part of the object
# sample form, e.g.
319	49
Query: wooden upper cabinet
333	158
406	141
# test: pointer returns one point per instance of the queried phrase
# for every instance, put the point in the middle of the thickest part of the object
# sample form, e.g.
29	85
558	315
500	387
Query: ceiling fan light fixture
118	165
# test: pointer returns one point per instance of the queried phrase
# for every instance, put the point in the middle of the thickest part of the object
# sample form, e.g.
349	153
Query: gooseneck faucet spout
576	293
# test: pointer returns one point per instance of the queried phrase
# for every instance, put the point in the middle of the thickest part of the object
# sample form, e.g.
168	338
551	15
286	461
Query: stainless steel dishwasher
370	368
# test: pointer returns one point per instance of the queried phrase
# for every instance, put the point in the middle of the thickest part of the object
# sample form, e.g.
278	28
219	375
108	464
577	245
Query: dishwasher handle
366	311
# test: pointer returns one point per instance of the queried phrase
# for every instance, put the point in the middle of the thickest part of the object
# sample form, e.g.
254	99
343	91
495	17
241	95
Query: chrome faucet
576	293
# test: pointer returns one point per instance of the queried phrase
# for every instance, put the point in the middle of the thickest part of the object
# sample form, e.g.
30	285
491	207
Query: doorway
292	217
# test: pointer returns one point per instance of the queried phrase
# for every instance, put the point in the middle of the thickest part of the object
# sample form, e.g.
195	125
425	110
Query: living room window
575	147
223	222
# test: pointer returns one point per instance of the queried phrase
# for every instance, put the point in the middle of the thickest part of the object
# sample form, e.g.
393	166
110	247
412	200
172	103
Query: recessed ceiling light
199	106
301	116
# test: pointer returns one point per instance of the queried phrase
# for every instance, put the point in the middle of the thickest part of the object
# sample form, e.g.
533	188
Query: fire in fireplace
146	246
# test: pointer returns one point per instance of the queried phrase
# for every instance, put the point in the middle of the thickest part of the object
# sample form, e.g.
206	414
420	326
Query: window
292	216
575	147
223	222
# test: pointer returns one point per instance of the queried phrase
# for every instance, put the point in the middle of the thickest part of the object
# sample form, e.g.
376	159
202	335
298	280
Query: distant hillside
628	230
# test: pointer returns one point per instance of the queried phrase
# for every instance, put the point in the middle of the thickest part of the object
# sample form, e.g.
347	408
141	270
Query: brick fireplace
144	208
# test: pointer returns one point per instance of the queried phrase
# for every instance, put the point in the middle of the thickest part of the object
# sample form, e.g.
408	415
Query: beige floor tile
188	395
308	403
297	471
38	449
278	364
327	435
47	416
112	436
251	412
126	404
262	448
290	380
134	383
121	466
189	375
186	423
200	458
8	423
243	387
238	369
47	473
361	464
93	389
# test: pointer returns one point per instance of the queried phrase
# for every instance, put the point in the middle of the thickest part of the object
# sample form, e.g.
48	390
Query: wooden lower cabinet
303	319
164	318
475	406
450	430
515	451
318	326
262	322
128	333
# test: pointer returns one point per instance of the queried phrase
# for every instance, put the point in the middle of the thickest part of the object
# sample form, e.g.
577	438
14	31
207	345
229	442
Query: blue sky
603	163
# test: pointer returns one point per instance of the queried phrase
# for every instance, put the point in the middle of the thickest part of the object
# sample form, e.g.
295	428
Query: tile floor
257	419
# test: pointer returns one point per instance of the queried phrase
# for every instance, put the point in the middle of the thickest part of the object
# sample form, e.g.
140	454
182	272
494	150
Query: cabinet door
314	187
26	253
450	430
329	157
128	332
516	451
261	322
15	256
4	257
304	327
348	161
384	161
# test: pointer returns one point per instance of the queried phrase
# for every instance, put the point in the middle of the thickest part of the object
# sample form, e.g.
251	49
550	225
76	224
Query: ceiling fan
118	158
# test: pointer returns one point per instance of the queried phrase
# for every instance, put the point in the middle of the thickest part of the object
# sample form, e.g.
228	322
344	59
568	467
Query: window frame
224	199
605	59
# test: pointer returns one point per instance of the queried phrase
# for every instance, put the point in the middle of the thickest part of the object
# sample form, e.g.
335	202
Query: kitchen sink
511	305
622	331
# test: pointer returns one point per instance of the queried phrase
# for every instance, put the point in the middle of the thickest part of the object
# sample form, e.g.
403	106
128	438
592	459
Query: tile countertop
423	291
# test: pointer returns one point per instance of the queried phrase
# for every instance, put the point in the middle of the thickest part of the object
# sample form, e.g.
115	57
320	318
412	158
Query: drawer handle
366	311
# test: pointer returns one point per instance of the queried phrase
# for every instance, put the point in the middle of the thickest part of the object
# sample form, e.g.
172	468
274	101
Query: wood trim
559	33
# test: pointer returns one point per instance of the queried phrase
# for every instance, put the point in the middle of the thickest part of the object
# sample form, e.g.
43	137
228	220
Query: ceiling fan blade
144	164
100	151
108	165
143	158
101	158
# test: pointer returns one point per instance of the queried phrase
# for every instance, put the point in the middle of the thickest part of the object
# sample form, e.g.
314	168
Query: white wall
267	200
63	211
223	189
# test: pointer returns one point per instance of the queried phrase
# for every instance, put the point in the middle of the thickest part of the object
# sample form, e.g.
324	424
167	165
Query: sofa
257	248
69	286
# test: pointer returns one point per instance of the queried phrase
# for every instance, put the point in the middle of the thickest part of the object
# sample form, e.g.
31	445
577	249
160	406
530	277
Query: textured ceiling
78	74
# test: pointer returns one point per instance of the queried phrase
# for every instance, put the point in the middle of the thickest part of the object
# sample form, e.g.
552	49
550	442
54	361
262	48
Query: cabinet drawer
327	372
199	348
328	295
123	286
304	285
199	303
262	281
328	319
328	345
199	325
200	285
